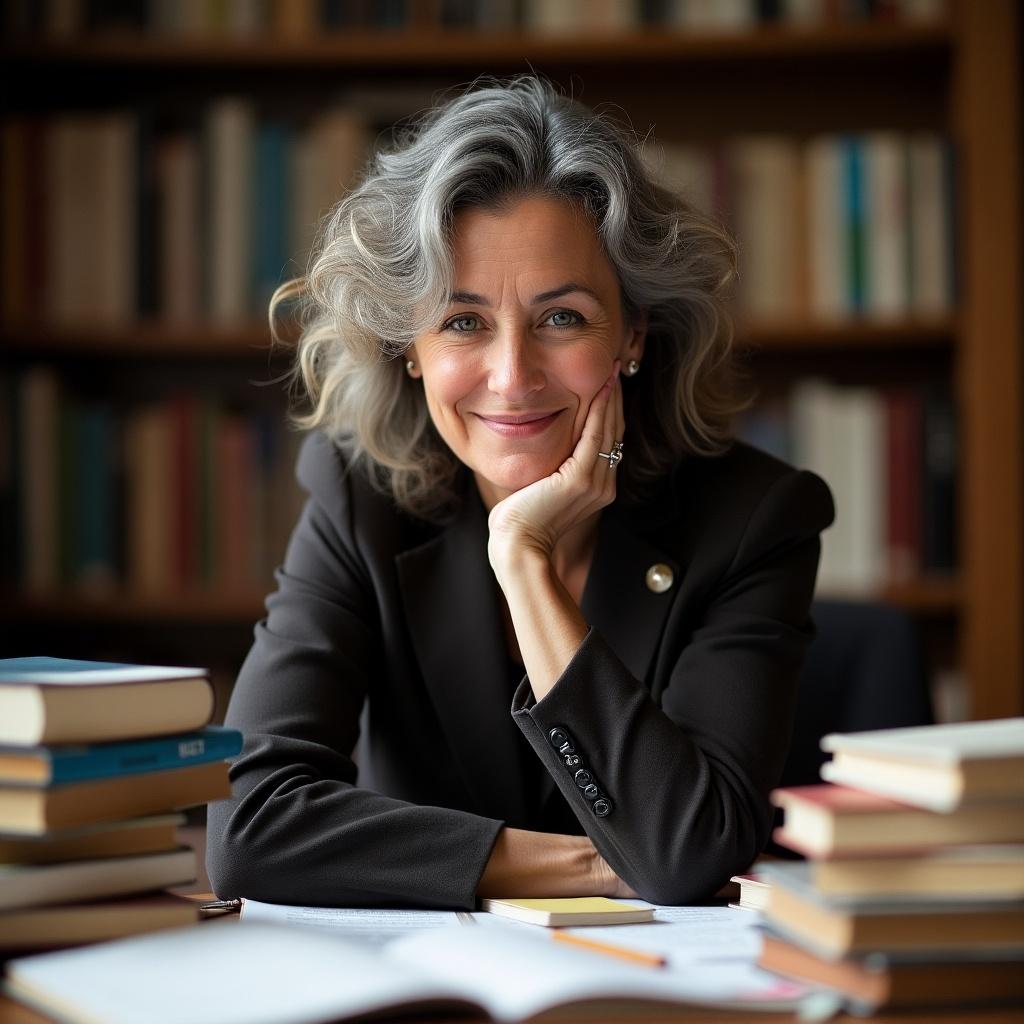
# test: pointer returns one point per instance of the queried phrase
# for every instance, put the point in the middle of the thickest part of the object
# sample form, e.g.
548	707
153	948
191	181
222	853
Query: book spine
108	760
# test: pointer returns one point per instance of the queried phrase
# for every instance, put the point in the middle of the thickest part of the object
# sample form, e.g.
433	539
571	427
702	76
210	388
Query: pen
647	959
211	907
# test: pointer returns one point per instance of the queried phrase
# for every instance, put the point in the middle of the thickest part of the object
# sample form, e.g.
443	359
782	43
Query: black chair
865	669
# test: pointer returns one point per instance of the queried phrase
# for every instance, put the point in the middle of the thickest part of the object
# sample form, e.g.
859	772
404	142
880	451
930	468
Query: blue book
853	152
53	765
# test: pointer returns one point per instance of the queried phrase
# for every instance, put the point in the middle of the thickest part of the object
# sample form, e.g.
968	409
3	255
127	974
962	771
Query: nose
516	371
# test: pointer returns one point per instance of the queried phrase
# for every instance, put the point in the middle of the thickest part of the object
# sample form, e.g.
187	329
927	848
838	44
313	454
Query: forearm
547	622
535	864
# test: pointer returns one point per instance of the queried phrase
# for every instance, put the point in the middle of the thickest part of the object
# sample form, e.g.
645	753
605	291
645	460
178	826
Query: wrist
514	560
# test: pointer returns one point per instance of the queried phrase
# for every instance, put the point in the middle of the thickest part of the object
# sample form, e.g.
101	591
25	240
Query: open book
298	975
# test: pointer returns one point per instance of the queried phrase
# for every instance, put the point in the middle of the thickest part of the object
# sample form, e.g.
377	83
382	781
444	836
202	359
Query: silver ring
614	457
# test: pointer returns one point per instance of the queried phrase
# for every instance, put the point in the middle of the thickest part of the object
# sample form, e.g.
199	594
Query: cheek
585	376
447	381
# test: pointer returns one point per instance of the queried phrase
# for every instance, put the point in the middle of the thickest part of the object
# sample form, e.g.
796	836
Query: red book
904	421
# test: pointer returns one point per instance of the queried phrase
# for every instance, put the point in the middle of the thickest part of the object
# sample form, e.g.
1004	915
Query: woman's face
531	333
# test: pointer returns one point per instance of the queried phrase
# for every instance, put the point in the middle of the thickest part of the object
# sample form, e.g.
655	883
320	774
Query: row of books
180	494
832	227
108	216
912	891
114	215
244	18
889	455
96	761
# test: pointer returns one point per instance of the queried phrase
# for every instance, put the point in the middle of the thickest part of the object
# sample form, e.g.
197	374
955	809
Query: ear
636	336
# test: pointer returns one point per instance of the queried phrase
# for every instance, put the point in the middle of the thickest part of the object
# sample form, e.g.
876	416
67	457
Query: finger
594	428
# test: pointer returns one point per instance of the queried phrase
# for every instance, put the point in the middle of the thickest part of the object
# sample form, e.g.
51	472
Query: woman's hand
532	520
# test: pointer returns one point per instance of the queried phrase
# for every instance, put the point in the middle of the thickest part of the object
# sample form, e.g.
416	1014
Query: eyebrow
473	299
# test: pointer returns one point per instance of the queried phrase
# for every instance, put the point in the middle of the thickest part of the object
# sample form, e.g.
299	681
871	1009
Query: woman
572	611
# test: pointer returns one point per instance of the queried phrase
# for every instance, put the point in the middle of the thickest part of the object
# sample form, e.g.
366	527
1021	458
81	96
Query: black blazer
678	704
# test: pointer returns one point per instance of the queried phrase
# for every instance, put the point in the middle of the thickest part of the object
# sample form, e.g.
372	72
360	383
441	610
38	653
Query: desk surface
15	1013
12	1012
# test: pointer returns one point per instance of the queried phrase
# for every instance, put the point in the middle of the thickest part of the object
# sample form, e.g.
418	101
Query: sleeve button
602	808
583	778
591	792
558	737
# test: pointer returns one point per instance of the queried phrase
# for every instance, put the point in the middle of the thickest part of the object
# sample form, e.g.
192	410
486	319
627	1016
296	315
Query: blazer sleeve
297	828
686	778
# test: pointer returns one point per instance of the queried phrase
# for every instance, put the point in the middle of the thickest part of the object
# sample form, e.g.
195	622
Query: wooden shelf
414	50
855	334
145	339
252	339
128	607
928	596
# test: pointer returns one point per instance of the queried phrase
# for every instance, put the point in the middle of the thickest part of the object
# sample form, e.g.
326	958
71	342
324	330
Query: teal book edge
83	762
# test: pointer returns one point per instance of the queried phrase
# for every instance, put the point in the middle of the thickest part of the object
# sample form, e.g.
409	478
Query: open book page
368	927
245	973
517	974
685	934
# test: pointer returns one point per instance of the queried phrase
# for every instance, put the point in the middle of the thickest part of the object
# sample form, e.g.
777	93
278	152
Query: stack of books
96	759
912	890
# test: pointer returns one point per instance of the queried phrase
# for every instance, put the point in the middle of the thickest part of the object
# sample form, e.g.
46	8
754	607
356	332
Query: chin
522	473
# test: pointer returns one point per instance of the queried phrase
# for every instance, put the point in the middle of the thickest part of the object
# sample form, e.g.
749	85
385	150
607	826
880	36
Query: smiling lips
524	425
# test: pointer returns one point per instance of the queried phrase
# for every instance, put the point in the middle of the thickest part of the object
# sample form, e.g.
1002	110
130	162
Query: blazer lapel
618	603
454	615
617	600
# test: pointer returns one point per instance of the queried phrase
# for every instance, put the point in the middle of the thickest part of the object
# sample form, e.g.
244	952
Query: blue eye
462	322
565	318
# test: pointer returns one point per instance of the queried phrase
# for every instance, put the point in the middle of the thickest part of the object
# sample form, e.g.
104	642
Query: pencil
647	959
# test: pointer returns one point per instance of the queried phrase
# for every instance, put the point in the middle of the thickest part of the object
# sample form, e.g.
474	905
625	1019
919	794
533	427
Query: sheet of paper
686	934
681	934
491	964
369	927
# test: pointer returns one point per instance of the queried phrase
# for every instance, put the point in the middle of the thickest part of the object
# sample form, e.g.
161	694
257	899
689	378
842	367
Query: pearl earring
410	365
631	367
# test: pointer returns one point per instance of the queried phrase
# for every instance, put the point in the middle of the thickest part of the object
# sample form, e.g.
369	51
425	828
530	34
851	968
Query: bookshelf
958	75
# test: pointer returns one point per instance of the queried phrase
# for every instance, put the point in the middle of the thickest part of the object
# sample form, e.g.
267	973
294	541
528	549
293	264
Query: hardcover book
938	767
836	821
61	700
54	765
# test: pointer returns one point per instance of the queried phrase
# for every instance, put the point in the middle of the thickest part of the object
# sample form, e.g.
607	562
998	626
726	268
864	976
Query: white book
75	881
828	253
887	287
553	17
70	176
864	438
714	15
113	249
685	169
938	767
178	177
260	973
228	207
839	433
326	160
930	213
766	201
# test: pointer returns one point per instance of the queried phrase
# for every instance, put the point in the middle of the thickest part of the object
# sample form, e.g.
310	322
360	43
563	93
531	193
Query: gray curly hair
380	273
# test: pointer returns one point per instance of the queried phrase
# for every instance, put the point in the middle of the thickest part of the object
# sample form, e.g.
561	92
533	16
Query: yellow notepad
578	911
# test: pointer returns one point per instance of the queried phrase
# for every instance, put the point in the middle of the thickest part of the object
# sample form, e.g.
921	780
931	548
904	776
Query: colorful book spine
76	763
